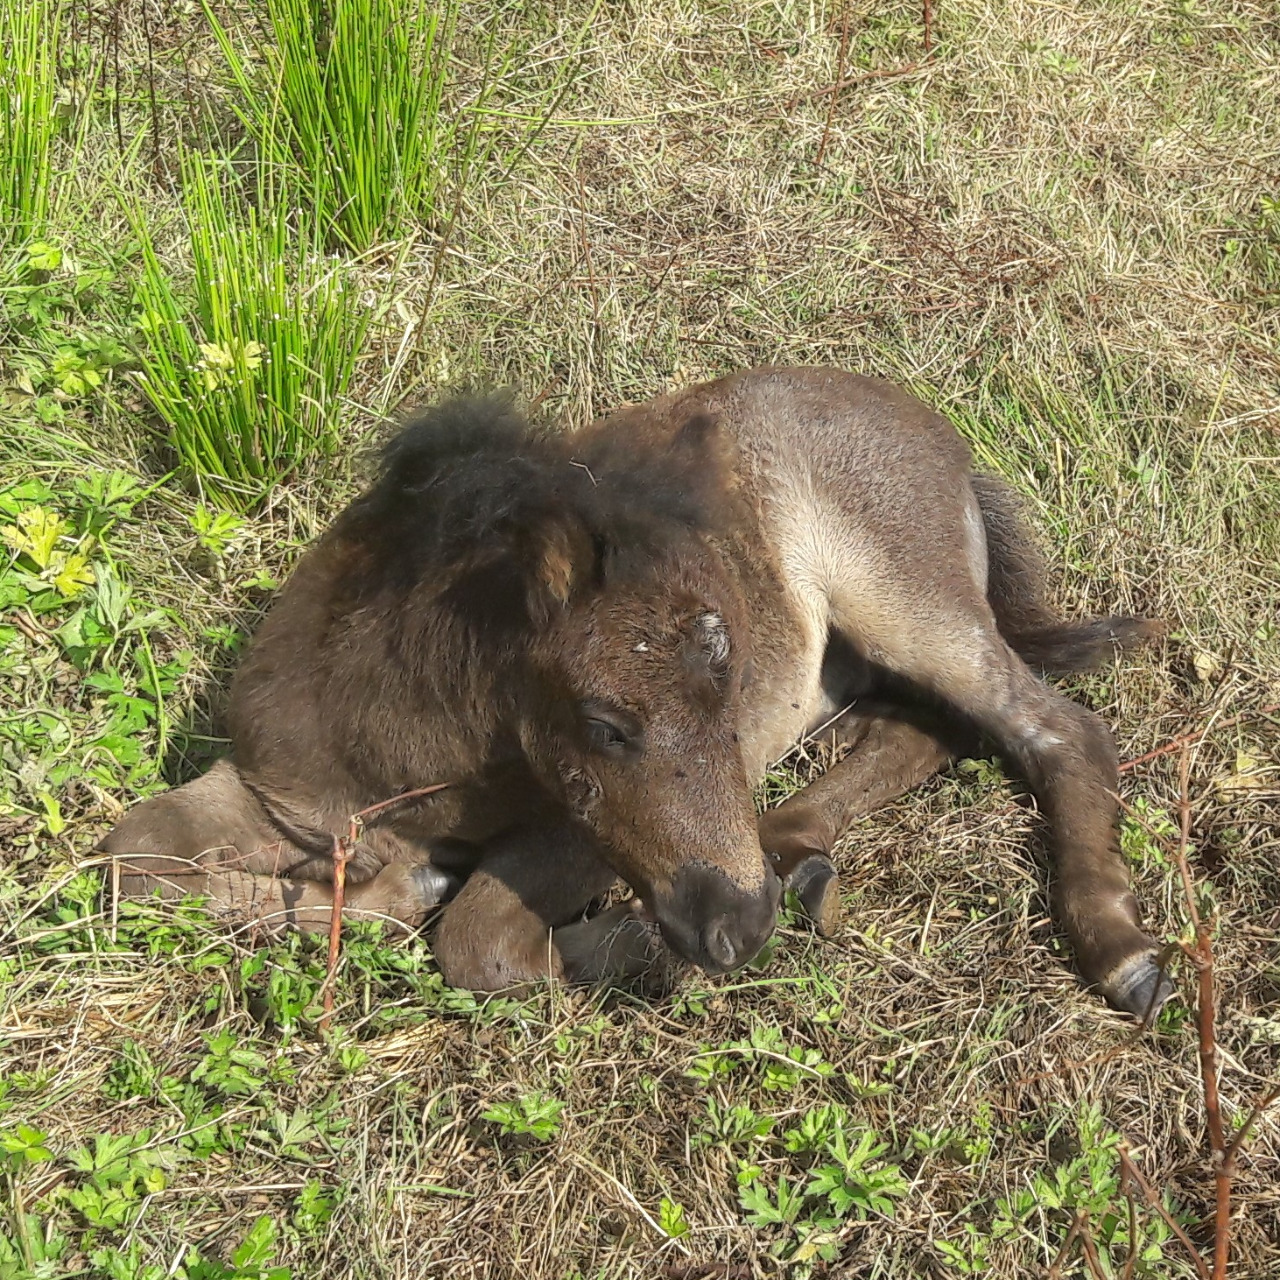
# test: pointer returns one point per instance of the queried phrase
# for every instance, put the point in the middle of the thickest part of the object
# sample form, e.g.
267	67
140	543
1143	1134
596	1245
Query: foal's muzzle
714	923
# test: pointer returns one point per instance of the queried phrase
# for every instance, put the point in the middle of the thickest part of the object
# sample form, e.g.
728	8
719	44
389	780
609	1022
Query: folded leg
887	757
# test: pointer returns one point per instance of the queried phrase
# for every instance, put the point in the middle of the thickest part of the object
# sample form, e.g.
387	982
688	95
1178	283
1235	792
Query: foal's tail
1016	590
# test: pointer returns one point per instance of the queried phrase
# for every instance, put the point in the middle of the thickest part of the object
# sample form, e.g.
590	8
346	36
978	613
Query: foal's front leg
517	921
401	895
888	756
212	838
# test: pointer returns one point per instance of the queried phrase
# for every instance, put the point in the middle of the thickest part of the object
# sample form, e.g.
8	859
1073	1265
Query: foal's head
586	575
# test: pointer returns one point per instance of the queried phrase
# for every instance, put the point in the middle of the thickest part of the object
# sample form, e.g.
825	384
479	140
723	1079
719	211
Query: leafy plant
248	368
314	1207
781	1066
1090	1183
215	531
534	1115
250	1260
117	1172
731	1125
230	1069
671	1219
848	1179
854	1182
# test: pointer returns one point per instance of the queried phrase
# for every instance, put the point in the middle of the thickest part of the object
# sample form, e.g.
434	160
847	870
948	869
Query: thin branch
1201	955
1132	1260
1233	1147
841	85
835	97
343	849
1184	840
1130	1170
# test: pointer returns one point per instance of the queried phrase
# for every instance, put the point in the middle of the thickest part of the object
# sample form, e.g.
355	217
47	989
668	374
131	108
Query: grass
247	371
1062	230
29	34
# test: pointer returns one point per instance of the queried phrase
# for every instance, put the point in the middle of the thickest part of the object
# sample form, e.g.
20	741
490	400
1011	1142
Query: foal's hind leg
952	648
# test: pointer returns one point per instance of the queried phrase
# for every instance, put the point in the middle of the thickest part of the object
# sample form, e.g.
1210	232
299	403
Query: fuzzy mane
469	479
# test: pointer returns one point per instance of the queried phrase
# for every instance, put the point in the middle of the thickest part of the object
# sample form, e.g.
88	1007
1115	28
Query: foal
599	639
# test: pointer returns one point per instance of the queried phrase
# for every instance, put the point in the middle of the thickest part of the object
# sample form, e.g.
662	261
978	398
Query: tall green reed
29	35
352	104
247	366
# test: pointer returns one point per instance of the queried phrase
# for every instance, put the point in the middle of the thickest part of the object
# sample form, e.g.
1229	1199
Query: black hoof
434	885
1138	987
817	888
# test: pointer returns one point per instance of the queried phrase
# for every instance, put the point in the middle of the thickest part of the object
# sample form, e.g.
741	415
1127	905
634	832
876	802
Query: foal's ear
564	563
698	433
533	572
705	451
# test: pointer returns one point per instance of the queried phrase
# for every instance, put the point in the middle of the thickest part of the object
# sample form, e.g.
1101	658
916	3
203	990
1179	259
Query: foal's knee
485	944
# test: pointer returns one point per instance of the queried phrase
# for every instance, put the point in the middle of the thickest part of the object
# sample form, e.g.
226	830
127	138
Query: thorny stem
1090	1249
1055	1269
1222	1155
1132	1260
1201	955
1233	1147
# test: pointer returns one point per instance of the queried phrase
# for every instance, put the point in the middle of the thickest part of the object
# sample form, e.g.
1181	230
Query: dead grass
1055	230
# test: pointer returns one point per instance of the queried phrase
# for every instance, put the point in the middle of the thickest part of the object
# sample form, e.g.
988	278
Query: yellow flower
218	362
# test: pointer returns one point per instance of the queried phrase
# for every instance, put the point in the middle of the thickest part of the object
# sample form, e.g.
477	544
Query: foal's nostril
719	946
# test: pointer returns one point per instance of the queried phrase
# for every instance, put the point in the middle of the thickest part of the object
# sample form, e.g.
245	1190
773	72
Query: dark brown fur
600	639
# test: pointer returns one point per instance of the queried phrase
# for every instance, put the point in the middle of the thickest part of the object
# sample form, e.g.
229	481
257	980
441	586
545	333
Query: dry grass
1059	231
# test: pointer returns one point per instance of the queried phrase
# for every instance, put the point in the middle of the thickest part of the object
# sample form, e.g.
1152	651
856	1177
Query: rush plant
29	34
246	366
350	98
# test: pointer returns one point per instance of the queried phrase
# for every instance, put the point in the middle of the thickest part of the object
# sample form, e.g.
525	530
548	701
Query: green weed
840	1175
532	1115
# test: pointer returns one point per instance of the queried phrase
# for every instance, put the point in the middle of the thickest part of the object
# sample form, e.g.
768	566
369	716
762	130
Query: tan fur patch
557	569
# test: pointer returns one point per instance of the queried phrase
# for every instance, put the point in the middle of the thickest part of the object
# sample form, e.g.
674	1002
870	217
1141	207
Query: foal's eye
603	736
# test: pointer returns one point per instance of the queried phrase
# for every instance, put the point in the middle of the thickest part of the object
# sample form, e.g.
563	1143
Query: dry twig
343	848
1188	739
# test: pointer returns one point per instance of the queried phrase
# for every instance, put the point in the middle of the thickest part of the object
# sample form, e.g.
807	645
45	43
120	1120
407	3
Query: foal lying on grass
600	639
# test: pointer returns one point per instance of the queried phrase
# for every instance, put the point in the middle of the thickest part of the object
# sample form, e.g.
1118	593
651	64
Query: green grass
29	35
1062	231
248	367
